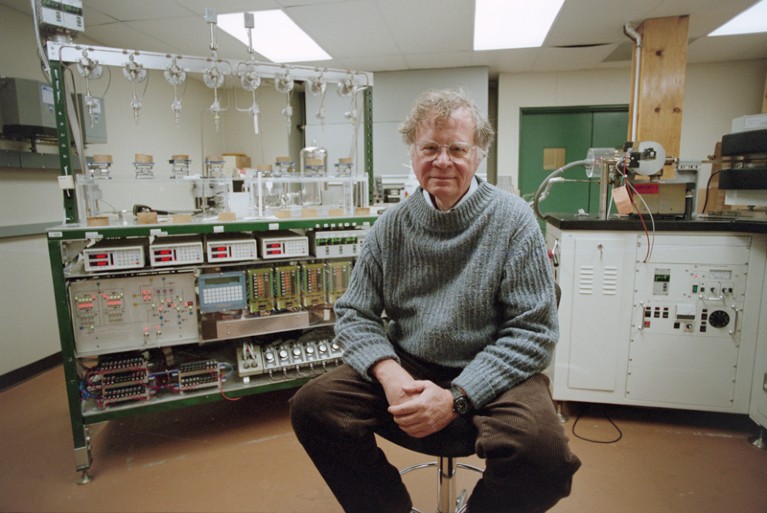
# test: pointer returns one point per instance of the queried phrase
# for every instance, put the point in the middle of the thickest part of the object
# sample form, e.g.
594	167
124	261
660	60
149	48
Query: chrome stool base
448	500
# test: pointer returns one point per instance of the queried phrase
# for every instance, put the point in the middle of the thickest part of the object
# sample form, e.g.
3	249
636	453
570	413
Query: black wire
607	417
708	188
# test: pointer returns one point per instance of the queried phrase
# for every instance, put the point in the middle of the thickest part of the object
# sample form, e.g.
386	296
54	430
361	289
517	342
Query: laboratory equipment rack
82	412
63	54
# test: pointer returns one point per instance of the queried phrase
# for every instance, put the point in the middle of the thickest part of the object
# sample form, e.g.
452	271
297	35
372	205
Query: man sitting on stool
461	270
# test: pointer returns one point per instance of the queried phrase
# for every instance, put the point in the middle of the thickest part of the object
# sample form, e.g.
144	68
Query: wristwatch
461	404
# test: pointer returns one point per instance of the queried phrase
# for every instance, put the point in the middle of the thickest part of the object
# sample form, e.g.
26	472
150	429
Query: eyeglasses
456	151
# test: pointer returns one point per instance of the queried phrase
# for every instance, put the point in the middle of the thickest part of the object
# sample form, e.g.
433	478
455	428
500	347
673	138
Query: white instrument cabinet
675	327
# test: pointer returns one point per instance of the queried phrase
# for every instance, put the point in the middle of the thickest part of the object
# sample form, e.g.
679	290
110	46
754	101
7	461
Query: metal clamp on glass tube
100	166
179	166
144	165
344	167
214	166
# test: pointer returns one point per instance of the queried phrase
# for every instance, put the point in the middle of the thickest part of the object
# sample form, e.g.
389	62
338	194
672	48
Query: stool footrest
446	466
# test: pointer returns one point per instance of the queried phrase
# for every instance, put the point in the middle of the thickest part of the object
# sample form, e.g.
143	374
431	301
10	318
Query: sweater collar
460	217
472	187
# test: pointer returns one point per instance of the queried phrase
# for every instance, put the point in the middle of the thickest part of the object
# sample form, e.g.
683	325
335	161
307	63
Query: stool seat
456	440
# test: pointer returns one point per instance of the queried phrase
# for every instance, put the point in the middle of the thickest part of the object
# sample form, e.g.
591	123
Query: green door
550	138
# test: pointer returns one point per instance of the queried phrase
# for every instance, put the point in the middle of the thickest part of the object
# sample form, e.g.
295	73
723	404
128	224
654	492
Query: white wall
27	311
714	95
393	96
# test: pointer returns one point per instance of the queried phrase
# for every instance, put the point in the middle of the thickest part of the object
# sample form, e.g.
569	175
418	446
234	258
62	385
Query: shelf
258	385
80	232
224	353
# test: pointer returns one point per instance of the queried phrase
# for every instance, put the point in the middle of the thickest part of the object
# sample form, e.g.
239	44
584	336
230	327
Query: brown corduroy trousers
528	464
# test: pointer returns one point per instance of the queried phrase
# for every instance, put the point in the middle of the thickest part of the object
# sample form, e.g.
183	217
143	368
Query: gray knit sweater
470	288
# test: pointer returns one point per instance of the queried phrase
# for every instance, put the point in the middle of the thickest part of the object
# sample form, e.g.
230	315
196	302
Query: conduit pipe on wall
637	38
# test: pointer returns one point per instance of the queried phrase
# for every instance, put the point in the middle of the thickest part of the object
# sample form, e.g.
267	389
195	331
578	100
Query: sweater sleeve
359	327
528	329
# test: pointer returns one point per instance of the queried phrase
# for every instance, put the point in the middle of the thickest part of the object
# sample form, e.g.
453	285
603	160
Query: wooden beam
662	71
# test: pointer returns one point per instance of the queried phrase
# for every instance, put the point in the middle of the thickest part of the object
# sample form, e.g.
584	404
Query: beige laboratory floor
243	456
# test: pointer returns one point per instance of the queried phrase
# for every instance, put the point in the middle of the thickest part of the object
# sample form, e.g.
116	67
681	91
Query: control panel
694	299
313	285
260	290
133	376
172	251
195	375
114	255
118	379
336	243
112	314
220	292
287	288
308	355
689	308
282	244
231	249
337	276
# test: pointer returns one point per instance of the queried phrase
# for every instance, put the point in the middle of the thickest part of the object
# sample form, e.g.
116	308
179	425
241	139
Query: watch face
461	405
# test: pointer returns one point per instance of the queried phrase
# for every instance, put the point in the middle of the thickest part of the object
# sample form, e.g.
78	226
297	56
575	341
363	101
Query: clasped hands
419	407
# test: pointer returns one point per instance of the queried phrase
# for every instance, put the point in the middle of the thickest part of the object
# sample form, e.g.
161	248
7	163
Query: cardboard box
233	162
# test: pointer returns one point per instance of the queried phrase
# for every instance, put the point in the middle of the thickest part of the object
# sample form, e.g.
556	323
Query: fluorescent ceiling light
750	21
275	36
502	24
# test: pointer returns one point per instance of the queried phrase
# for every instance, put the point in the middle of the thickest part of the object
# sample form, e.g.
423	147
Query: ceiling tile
228	6
123	36
137	9
296	3
563	59
379	63
707	14
331	27
190	35
430	26
728	48
577	23
519	60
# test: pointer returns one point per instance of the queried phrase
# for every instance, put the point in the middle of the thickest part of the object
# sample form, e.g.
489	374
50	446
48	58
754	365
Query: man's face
446	177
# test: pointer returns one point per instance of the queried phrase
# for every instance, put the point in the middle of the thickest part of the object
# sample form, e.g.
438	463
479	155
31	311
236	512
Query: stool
454	441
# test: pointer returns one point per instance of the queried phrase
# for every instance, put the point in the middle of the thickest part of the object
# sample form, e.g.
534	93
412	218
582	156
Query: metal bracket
84	458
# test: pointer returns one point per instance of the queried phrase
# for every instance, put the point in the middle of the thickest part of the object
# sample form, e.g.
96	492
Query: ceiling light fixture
500	24
276	36
750	21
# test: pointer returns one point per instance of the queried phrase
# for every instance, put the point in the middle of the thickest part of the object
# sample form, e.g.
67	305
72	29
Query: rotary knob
719	319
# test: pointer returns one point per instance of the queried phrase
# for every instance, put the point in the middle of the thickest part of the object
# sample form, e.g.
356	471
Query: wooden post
662	70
